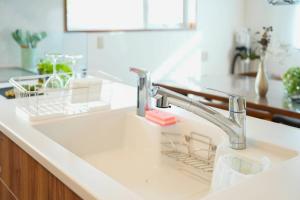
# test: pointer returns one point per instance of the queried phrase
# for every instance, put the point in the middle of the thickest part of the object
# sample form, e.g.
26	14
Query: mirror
130	15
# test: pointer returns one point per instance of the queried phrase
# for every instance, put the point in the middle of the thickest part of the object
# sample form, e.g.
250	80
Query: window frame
186	25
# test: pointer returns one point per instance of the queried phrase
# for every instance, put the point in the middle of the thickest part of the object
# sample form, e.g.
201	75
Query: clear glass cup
74	62
54	81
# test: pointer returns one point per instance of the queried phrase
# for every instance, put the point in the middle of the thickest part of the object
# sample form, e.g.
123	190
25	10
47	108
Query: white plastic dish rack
34	102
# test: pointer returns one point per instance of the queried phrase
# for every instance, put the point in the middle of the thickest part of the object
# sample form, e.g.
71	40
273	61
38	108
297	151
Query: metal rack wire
35	102
196	151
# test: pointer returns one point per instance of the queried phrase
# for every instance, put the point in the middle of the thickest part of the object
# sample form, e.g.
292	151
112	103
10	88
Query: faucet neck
143	91
234	126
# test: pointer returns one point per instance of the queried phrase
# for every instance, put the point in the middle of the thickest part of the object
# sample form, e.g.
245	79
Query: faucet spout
234	126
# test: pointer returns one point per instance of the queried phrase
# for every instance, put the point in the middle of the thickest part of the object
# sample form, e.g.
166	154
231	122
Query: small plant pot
29	59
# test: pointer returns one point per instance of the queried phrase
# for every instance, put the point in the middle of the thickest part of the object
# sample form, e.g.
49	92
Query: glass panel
166	13
104	15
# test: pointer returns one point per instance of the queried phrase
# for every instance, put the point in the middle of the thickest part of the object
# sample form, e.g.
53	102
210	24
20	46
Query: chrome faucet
143	91
234	125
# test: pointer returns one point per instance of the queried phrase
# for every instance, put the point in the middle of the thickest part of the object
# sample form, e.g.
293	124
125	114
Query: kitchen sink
131	150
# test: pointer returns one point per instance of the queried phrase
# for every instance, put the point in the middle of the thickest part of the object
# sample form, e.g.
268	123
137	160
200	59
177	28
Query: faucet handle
140	72
237	103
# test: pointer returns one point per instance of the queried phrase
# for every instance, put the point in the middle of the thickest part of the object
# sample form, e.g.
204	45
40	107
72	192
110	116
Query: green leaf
291	81
46	67
63	68
28	39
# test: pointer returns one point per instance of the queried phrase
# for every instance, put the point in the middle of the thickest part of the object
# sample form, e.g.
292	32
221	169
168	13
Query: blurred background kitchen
246	47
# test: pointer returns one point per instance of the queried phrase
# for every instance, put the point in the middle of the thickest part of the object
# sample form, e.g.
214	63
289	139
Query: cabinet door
59	191
26	178
5	155
29	180
5	194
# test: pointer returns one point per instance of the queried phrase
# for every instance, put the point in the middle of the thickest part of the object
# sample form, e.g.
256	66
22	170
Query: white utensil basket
35	102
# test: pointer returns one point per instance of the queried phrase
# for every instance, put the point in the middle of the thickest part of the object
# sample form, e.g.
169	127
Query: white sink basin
128	149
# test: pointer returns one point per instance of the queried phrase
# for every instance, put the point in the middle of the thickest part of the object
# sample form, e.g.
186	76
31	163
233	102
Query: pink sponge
160	117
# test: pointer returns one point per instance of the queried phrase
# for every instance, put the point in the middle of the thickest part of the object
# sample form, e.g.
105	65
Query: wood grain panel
58	191
5	194
26	178
5	160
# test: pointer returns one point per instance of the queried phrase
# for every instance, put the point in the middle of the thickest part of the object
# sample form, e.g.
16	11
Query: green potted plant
28	42
291	81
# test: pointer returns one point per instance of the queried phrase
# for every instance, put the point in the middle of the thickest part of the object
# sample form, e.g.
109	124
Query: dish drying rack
195	151
35	102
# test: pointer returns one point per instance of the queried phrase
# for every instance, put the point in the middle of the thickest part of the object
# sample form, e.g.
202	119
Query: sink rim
130	111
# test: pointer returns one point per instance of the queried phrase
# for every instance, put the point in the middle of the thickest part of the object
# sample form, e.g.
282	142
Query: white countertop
280	183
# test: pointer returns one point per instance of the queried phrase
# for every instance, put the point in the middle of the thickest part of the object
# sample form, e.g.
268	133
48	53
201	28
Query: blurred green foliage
46	67
26	39
291	81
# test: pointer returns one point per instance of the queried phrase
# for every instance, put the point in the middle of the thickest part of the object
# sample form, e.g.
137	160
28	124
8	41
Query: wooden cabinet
26	178
5	194
4	158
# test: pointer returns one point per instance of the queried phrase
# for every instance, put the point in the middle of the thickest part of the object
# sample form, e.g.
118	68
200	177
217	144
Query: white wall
173	55
165	52
169	55
285	20
218	21
36	15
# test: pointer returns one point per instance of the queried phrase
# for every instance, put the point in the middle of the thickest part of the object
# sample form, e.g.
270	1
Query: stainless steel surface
195	151
237	103
143	91
234	125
